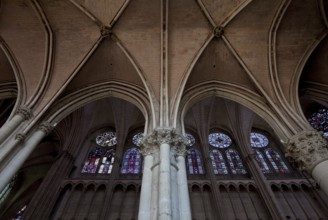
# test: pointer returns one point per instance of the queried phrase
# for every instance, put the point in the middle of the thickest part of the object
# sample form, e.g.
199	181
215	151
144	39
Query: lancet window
194	158
269	160
131	161
222	155
101	158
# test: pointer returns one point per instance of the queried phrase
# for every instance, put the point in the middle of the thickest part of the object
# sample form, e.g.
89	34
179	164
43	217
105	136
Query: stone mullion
264	187
210	174
42	204
242	139
107	200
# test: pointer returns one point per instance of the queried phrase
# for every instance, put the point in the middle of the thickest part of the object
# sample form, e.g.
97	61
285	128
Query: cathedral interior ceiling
65	41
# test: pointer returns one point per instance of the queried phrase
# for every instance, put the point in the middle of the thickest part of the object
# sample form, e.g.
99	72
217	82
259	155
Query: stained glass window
137	139
276	161
219	140
218	163
258	140
236	164
190	139
261	161
91	164
19	215
194	162
106	139
107	162
131	161
319	121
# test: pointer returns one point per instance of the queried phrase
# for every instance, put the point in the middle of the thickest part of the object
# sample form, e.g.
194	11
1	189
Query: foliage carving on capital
163	136
25	112
46	127
307	149
20	137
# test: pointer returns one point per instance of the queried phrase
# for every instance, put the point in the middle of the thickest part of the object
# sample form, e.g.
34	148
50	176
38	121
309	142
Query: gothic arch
96	92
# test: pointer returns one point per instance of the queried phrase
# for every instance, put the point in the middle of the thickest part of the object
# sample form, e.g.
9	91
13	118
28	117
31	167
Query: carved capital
106	31
307	149
160	136
25	112
46	127
20	137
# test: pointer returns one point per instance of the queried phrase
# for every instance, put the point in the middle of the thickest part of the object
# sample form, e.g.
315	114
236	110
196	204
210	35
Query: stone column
163	138
184	201
308	151
146	185
27	148
22	114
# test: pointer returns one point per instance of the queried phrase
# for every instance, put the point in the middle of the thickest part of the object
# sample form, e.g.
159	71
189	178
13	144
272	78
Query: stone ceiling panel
107	63
218	63
139	31
248	35
221	11
6	71
188	31
74	39
104	10
22	31
299	28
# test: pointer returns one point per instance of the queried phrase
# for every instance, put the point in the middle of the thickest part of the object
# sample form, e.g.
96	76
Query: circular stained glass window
325	135
137	139
190	139
319	120
106	139
258	140
219	140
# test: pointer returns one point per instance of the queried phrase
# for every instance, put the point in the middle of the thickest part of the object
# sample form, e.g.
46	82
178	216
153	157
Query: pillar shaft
146	186
21	115
9	127
184	202
165	211
17	161
320	174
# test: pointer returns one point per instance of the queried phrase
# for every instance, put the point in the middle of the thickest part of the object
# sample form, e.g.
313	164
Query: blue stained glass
218	163
258	140
131	161
107	162
261	161
219	140
194	162
19	215
236	164
319	121
91	164
275	159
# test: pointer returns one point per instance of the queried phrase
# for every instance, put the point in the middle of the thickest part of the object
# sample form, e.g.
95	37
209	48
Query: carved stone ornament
218	32
25	112
307	149
106	31
160	136
46	127
20	137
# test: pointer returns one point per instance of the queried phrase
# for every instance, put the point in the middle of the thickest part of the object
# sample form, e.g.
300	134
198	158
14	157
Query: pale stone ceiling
55	47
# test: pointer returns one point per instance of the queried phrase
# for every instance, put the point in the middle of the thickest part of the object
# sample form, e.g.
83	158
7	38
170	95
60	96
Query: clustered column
308	151
27	148
22	114
164	148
